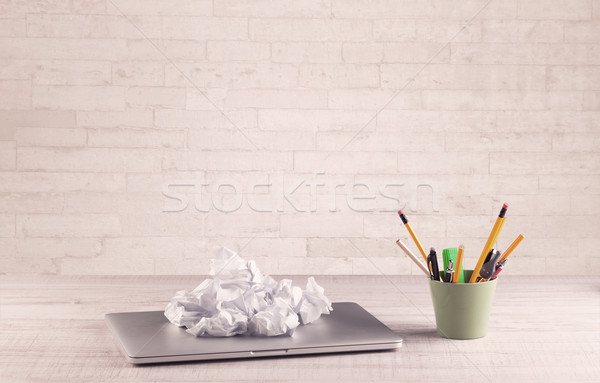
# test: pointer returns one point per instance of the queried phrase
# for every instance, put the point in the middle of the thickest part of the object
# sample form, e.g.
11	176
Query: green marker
451	254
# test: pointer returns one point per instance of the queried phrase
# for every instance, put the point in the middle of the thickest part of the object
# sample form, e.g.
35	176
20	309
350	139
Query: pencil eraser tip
505	206
400	212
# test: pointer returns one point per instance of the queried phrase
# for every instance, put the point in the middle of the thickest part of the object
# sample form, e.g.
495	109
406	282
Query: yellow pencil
490	242
412	234
511	248
459	258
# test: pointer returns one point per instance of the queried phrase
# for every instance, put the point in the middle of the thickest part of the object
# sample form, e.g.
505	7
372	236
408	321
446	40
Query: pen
499	268
449	272
412	234
457	269
433	265
413	257
490	242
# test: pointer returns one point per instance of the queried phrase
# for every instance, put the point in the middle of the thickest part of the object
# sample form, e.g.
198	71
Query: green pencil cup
462	310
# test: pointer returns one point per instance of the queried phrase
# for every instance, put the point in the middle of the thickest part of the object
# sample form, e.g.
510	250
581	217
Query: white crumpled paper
240	300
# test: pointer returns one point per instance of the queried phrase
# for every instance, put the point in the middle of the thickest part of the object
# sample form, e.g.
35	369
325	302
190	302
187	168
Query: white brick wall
327	115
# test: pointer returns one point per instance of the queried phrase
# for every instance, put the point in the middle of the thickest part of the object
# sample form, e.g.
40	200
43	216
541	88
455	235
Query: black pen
449	272
432	263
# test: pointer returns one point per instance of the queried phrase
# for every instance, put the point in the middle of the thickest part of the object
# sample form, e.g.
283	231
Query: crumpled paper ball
240	300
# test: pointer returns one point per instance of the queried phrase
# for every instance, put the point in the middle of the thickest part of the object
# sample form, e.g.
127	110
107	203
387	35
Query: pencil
412	234
459	258
511	248
413	257
490	242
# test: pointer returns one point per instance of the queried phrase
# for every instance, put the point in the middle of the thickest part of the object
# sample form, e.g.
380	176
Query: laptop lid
148	337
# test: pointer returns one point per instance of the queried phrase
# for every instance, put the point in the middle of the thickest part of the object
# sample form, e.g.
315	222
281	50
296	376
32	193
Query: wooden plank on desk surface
52	329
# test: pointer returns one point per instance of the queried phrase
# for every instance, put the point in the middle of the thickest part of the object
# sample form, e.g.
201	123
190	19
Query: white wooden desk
541	329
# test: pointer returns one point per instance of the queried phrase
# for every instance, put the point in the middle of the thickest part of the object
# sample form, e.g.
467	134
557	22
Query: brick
313	120
232	139
239	161
348	247
31	203
63	49
364	53
116	203
68	225
275	247
89	159
92	26
13	27
79	97
388	226
37	118
355	162
488	100
237	51
370	99
58	247
7	133
138	73
460	77
548	121
162	7
264	98
313	266
555	9
443	163
574	77
206	99
18	265
271	8
7	225
524	54
129	117
567	183
196	28
310	52
523	31
309	30
8	155
50	6
51	137
146	247
162	224
384	266
575	142
391	9
416	53
155	97
105	266
15	94
43	182
232	75
545	163
596	10
442	31
227	119
164	50
499	142
591	101
489	184
70	72
338	76
135	138
380	141
436	120
585	204
394	30
246	225
321	225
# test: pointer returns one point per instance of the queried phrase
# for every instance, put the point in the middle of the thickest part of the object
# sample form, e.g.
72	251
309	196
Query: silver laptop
148	337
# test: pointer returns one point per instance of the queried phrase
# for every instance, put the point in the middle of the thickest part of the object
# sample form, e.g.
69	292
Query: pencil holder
462	310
